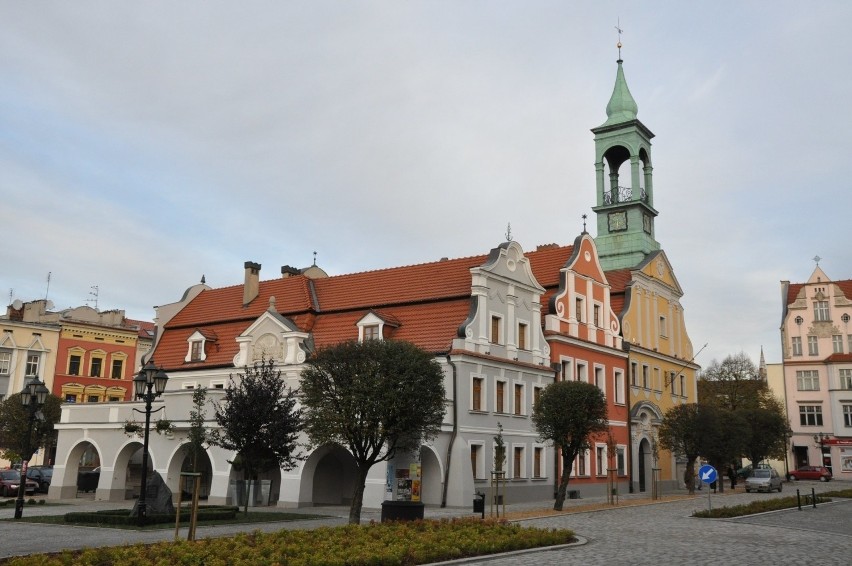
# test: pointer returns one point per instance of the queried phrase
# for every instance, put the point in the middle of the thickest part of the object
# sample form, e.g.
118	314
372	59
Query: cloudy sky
143	144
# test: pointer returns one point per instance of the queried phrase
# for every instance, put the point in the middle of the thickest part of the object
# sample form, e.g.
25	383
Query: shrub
754	507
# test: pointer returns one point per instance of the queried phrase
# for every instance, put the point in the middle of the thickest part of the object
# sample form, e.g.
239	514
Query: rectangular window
810	415
74	363
797	345
657	383
70	398
580	309
501	396
582	372
475	454
621	461
645	375
495	330
671	379
93	399
113	398
596	312
517	462
582	470
5	362
837	343
633	371
813	346
97	367
847	416
664	331
195	352
618	386
536	395
32	365
807	380
821	311
538	452
476	398
846	379
600	379
849	343
371	332
522	336
600	460
117	369
683	386
519	399
567	373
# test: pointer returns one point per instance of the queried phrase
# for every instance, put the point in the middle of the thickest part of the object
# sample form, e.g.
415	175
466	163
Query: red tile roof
425	304
794	289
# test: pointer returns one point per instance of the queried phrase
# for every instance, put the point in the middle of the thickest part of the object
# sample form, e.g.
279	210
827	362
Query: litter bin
479	503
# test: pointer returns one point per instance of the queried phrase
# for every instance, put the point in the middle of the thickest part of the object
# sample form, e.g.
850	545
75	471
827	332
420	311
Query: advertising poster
403	486
389	481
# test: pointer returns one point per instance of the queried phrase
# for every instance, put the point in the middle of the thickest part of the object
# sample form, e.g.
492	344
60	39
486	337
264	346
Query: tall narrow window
117	369
797	345
846	379
621	461
522	336
664	331
476	398
517	463
74	364
519	399
501	396
618	386
596	310
567	373
536	395
96	367
633	378
600	380
821	311
33	361
645	377
600	460
537	454
581	463
5	362
475	450
813	346
683	385
582	372
847	416
495	330
837	343
580	309
195	353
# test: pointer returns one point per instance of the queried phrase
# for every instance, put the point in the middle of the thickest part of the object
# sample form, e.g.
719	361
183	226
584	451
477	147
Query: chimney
287	271
252	285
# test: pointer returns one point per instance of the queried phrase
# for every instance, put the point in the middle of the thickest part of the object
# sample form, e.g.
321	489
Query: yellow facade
660	364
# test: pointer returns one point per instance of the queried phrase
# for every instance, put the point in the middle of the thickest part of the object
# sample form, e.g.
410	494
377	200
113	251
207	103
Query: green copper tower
625	190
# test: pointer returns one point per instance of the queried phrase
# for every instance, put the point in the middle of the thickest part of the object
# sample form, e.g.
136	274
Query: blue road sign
707	473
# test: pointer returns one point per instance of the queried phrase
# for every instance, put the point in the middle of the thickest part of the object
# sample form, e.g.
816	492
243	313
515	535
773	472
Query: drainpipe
454	433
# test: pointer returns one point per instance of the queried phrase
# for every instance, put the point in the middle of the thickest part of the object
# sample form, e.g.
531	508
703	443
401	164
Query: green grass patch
418	542
207	516
756	507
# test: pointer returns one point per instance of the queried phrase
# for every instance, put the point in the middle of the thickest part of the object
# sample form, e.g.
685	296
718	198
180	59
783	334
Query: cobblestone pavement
661	533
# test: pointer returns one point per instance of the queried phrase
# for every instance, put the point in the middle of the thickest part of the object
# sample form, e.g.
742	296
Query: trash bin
479	502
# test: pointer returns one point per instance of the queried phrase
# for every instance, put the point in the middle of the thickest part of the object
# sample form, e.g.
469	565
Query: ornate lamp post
32	398
148	384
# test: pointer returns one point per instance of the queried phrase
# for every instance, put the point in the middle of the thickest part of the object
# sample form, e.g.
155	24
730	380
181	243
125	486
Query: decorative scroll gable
275	337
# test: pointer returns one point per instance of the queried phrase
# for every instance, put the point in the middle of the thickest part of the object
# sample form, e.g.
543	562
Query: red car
810	473
11	479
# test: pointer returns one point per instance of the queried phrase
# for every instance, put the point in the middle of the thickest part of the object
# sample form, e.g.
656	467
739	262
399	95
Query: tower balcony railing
623	194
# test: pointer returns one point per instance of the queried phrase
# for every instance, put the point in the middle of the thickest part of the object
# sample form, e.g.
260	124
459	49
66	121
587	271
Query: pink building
816	335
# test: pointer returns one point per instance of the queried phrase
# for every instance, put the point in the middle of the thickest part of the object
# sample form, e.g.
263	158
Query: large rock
158	497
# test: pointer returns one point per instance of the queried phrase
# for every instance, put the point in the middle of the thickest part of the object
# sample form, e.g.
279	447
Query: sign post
707	474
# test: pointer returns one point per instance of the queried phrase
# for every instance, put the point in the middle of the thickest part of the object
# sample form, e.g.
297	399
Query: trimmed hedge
755	507
122	516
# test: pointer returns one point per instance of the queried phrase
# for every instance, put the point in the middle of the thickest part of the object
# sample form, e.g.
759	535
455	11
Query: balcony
623	194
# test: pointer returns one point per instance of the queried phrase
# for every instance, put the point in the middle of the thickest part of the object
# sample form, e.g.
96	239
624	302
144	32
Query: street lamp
148	384
33	397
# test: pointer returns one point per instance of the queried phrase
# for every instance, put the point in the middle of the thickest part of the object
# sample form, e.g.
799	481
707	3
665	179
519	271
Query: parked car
810	473
764	479
745	471
11	479
41	475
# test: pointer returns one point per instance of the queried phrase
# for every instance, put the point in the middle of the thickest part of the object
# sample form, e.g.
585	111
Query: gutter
454	433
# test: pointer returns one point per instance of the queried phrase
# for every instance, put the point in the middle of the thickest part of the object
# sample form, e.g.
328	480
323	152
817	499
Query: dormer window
371	332
197	345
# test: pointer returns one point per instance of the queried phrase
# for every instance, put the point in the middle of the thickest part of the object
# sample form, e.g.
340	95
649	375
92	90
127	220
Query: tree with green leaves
765	432
198	434
376	398
685	431
258	420
15	422
722	441
568	414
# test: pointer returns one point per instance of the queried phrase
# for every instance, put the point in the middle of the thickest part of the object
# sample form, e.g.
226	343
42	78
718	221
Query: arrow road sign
707	474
